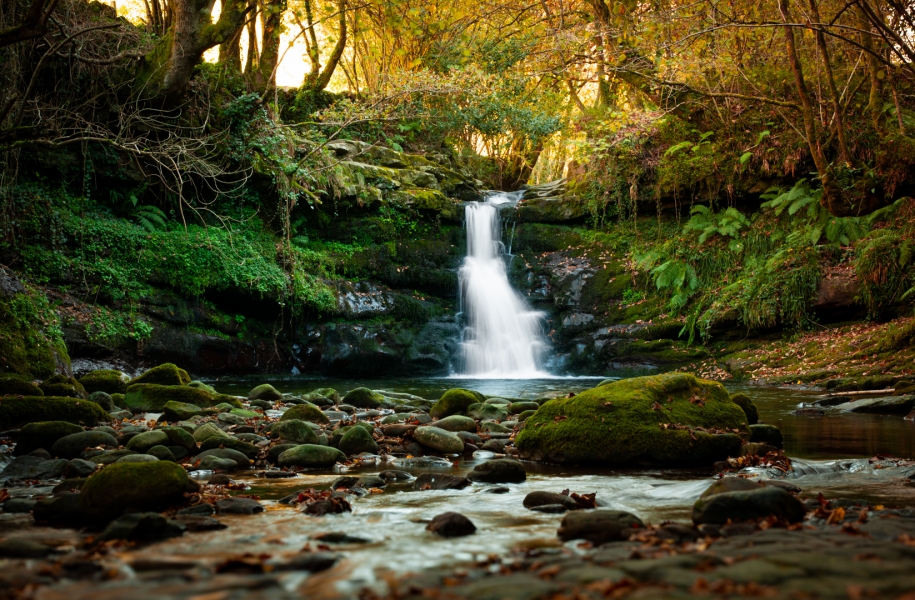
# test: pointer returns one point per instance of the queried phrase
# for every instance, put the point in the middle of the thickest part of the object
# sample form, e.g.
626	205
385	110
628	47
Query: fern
678	277
150	218
728	223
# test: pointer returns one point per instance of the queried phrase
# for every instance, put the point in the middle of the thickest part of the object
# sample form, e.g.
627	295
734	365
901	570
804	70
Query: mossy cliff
669	419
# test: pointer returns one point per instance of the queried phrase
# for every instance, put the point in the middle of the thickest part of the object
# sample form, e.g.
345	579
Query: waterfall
503	336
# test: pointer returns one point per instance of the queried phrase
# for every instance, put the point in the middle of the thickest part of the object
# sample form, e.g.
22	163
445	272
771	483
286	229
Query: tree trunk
831	82
272	19
319	78
874	70
230	50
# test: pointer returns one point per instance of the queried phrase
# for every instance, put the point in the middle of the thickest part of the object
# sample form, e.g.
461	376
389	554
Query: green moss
310	455
294	430
623	423
43	434
109	381
138	486
164	374
265	391
305	412
363	398
454	402
329	393
18	411
248	449
154	397
746	404
61	385
31	340
180	411
356	441
199	385
17	385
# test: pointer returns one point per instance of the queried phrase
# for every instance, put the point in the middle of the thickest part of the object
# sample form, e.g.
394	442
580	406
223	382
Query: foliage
884	266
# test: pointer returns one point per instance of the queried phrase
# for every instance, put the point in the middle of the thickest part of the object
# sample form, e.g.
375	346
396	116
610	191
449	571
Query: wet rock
142	527
164	374
339	537
519	586
144	441
500	470
470	438
22	410
197	523
102	399
61	509
756	449
423	462
24	548
454	402
808	411
33	467
747	504
79	468
310	455
746	404
392	475
457	423
204	509
888	405
496	446
43	435
314	562
18	505
535	499
599	526
438	439
241	461
498	490
785	485
273	455
332	506
265	391
221	479
306	412
208	430
294	430
363	398
551	508
435	481
230	443
451	524
143	486
396	431
161	453
356	441
238	506
766	434
137	458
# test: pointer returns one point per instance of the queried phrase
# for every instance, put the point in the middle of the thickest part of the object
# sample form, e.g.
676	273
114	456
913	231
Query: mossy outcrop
20	410
164	374
669	419
455	402
136	486
154	397
16	385
109	381
746	404
305	412
61	385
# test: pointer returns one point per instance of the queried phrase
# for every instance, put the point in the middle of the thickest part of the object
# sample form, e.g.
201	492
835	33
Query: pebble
451	524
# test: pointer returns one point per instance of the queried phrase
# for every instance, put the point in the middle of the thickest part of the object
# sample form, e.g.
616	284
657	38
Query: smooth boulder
71	446
599	526
438	439
132	486
748	505
310	455
499	470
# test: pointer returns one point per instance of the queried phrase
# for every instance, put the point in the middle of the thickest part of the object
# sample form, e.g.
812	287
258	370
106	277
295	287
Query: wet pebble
451	524
239	506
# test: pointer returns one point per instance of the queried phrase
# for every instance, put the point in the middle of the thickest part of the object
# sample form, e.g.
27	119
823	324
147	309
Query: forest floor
859	355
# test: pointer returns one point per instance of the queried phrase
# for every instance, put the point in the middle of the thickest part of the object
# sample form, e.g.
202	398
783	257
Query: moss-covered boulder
766	434
142	442
310	455
180	411
246	448
73	445
164	374
363	398
16	385
455	402
305	412
356	441
178	436
103	399
746	404
438	439
329	393
109	381
43	435
668	419
110	456
516	408
132	486
294	430
63	386
154	397
489	412
456	423
265	391
17	411
208	430
199	385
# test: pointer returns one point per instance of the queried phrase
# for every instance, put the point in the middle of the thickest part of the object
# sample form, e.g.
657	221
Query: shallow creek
830	456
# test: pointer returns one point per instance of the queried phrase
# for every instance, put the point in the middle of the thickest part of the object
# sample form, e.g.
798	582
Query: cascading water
503	336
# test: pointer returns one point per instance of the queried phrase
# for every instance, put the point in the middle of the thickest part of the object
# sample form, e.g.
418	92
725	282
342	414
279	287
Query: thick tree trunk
318	79
272	19
831	81
230	51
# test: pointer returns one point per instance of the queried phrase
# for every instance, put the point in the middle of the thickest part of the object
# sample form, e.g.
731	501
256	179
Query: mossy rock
246	414
265	391
208	430
517	408
103	399
318	399
492	412
329	393
455	402
132	486
154	397
161	453
749	409
294	430
356	441
241	461
21	410
180	411
110	456
164	374
499	401
178	436
16	385
24	348
118	399
526	415
638	421
73	445
199	385
43	435
310	455
456	423
363	398
493	427
249	450
273	455
109	381
305	412
63	386
766	434
142	442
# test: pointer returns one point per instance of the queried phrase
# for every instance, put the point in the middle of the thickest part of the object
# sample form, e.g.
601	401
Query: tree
317	77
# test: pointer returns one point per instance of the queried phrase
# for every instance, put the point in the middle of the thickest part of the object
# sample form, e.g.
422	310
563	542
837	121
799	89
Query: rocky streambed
650	487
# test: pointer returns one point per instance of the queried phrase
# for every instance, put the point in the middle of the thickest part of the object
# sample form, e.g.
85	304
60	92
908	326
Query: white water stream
503	336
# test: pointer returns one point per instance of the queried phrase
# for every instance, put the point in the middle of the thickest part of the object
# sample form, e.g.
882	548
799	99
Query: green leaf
745	157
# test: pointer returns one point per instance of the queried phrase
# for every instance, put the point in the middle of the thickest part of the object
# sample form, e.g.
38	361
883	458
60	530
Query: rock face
643	420
141	486
599	526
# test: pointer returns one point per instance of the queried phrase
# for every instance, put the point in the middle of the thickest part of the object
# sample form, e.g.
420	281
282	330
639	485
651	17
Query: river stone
43	435
230	419
310	455
178	436
241	461
238	506
766	434
79	468
208	430
598	526
363	398
103	399
746	404
454	402
144	441
748	505
154	397
273	455
356	441
438	439
493	412
497	446
456	423
139	486
498	401
180	411
71	446
622	423
214	463
137	458
451	524
18	411
330	393
33	467
537	499
265	391
493	427
305	412
294	430
500	470
142	527
12	384
318	400
110	456
61	385
437	481
62	509
467	436
517	408
164	374
248	449
161	453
